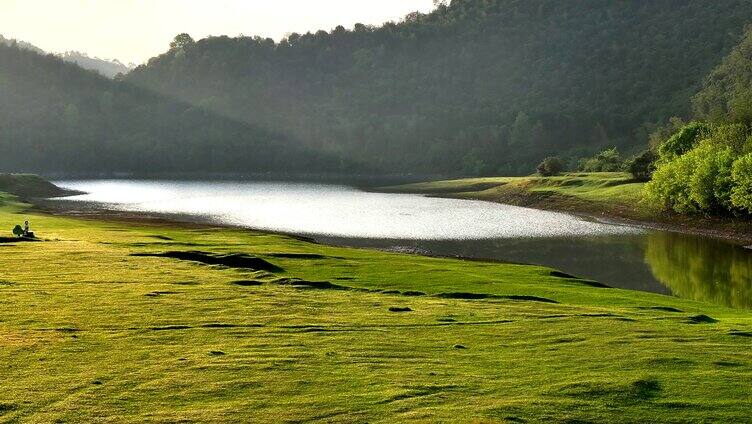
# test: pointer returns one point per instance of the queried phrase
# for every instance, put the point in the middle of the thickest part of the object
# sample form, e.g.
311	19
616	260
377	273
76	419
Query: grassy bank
295	331
607	195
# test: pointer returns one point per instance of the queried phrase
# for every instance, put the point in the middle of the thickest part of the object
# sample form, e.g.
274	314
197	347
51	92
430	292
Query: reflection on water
660	262
701	268
341	211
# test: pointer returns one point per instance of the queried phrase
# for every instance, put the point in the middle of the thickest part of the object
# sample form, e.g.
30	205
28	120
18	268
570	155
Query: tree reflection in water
701	268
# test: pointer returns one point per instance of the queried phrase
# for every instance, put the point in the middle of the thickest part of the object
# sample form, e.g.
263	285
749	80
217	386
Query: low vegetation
170	323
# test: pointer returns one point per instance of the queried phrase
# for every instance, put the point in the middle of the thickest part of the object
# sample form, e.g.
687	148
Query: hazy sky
135	30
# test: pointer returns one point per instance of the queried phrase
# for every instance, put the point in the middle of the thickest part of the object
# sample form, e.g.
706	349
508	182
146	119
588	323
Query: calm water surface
620	256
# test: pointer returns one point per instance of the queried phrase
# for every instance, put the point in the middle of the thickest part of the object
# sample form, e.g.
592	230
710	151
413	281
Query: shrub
703	178
741	195
605	161
683	140
642	166
551	166
669	187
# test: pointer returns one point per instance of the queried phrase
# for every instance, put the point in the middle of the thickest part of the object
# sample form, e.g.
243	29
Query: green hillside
478	86
58	117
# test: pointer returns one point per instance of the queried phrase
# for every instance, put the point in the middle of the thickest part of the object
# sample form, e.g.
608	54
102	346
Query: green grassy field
613	192
89	332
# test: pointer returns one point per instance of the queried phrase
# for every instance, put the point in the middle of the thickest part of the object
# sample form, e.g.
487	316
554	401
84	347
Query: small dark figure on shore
26	229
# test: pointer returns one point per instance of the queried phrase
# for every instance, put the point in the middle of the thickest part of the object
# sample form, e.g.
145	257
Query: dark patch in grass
729	364
740	333
460	295
529	298
219	325
225	325
97	382
676	405
480	296
303	284
460	347
646	389
186	283
159	293
297	255
6	283
247	283
217	353
591	283
413	293
18	239
232	260
7	407
569	340
638	391
160	237
68	330
660	308
446	319
701	319
419	391
671	362
399	309
171	327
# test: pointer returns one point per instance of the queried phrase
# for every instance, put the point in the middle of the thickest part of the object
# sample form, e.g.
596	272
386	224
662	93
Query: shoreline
732	231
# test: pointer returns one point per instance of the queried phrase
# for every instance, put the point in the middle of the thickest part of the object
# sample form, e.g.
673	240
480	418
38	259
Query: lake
617	255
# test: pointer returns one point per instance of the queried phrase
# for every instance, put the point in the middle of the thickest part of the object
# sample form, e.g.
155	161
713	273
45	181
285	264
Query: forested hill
57	117
477	86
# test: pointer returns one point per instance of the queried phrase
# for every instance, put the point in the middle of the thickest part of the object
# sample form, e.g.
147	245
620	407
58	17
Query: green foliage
682	141
516	80
711	177
669	187
741	196
727	94
62	118
551	166
606	161
642	166
18	231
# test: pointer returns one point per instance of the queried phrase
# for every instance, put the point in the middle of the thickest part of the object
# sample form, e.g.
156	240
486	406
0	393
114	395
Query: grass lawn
609	191
89	332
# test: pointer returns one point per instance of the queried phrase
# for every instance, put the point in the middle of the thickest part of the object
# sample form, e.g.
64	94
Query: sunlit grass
89	332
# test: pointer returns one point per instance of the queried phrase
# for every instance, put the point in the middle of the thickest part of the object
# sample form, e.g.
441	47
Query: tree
605	161
551	166
181	42
642	166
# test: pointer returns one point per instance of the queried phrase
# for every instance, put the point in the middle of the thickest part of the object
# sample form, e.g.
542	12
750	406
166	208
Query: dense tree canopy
57	117
477	86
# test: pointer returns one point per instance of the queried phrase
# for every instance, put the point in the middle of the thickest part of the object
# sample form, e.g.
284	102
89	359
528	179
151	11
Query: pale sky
135	30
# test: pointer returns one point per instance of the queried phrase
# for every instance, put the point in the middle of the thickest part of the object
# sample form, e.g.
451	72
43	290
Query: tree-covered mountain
477	85
106	67
58	117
